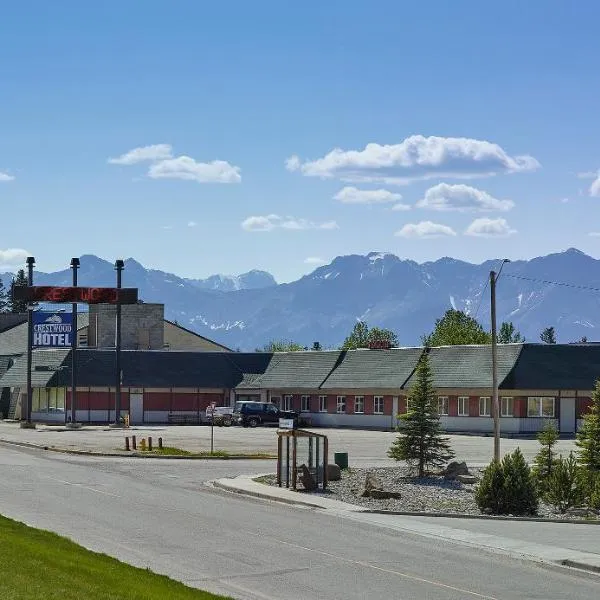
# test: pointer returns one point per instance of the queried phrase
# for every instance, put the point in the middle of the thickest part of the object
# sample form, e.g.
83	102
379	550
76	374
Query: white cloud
314	260
485	227
12	257
192	224
166	166
594	233
401	207
415	158
352	195
185	167
6	177
425	229
587	175
143	154
461	197
270	222
293	163
595	187
565	200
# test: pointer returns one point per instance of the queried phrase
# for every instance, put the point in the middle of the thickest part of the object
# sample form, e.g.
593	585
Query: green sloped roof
555	367
297	370
16	376
470	366
375	369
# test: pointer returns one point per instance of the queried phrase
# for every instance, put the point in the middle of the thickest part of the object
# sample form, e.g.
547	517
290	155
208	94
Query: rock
307	480
581	512
468	479
334	473
456	468
371	483
383	494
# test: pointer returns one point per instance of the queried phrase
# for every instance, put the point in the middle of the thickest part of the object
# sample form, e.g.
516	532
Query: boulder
307	480
334	473
371	483
456	468
468	479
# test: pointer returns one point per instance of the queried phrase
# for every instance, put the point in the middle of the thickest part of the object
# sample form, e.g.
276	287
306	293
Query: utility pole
119	266
495	407
28	424
74	265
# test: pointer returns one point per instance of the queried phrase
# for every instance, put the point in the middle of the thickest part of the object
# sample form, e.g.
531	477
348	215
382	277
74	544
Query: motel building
170	375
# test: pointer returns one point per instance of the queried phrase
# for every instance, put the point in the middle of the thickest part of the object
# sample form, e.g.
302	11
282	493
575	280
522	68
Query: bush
565	487
545	460
592	490
507	487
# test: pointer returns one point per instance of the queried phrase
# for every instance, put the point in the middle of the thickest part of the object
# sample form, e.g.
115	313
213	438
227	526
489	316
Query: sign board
286	423
52	329
83	295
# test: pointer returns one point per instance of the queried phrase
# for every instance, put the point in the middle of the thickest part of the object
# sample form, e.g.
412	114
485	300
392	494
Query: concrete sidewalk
574	545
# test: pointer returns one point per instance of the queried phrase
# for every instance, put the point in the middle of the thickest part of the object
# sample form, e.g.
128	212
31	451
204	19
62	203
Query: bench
184	419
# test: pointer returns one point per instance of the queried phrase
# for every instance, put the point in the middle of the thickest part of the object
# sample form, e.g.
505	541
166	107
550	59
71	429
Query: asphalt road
159	514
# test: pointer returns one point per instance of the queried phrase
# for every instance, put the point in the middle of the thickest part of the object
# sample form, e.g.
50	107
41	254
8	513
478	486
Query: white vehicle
222	415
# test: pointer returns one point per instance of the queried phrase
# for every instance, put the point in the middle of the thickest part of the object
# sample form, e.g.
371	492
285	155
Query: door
567	415
136	409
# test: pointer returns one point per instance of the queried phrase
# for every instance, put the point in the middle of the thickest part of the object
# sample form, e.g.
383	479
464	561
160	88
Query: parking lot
363	447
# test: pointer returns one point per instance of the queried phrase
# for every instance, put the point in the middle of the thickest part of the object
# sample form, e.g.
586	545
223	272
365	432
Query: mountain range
246	311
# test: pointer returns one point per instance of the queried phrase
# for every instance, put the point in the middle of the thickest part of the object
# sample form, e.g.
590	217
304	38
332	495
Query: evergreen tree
508	334
565	487
489	494
420	441
17	306
520	493
588	439
4	300
456	328
545	460
548	335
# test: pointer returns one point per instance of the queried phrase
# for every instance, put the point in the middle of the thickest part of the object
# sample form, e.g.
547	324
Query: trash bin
341	459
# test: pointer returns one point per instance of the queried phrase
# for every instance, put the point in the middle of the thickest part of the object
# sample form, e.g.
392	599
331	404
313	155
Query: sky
202	137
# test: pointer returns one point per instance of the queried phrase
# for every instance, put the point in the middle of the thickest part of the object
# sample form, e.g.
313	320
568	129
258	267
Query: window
341	404
305	404
463	406
540	407
359	404
288	401
48	399
378	405
322	403
507	407
443	405
485	406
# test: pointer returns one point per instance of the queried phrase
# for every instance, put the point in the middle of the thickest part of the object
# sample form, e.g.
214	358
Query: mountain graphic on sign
54	319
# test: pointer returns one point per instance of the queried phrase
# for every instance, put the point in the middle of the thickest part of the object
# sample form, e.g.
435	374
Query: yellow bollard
143	445
126	419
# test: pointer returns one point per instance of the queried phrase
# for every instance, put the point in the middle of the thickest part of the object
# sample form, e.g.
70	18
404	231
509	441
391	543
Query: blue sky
466	129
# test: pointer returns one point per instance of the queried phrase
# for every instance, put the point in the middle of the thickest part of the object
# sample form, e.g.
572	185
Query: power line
561	283
487	281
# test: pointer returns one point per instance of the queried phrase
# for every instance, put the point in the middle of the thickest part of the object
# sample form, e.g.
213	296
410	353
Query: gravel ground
427	495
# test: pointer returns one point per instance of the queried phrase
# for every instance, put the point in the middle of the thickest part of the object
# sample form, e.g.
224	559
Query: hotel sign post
45	330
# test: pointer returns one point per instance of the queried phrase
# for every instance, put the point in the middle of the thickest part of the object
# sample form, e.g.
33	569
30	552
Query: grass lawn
173	451
39	565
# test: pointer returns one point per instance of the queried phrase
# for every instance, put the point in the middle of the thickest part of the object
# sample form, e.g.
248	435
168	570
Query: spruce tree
545	460
520	494
17	306
565	488
3	298
420	441
588	439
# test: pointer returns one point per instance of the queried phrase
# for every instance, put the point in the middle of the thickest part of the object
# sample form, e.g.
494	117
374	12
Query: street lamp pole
30	265
495	401
74	265
119	266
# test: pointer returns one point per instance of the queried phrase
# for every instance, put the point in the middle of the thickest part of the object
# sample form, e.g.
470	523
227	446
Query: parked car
251	414
222	415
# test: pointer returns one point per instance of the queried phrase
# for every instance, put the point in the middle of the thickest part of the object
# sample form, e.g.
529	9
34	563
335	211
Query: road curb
133	454
574	564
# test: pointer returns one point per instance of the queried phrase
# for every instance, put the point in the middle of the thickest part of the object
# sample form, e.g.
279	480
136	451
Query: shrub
592	491
545	460
507	487
588	438
565	487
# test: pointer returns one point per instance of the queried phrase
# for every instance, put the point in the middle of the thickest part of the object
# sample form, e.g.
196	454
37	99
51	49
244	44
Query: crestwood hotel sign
52	329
